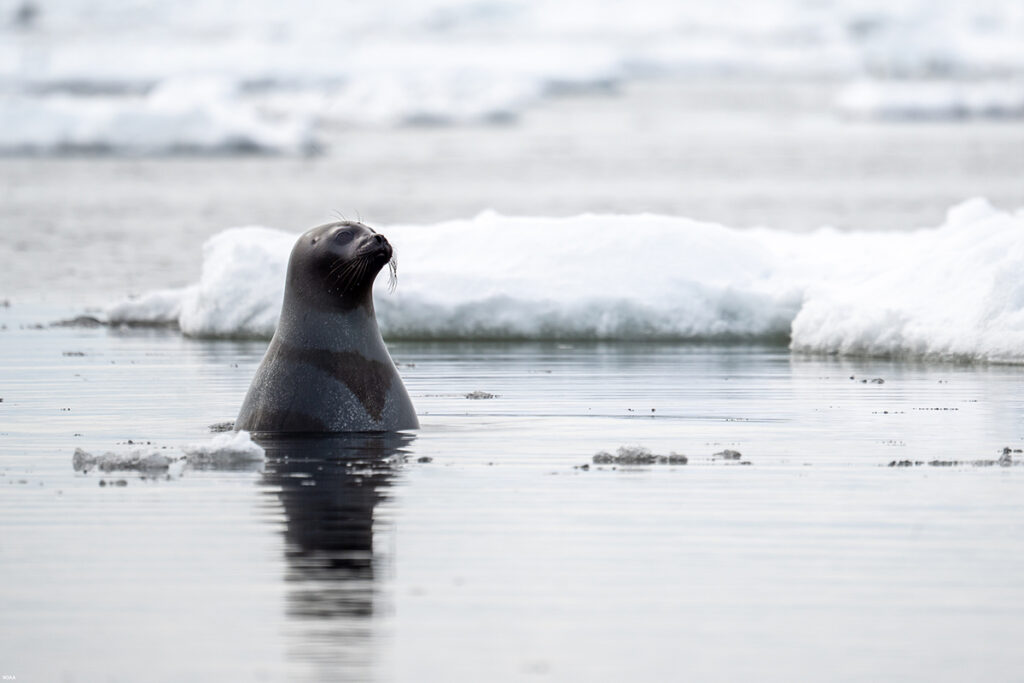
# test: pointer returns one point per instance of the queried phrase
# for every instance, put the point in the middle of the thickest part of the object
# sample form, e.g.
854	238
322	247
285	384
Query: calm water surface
499	558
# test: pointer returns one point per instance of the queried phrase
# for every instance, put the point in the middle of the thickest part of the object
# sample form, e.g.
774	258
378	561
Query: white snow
956	292
951	292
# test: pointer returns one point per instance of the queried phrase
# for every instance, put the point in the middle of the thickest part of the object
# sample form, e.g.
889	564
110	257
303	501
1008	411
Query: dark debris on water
480	395
80	321
1004	460
637	455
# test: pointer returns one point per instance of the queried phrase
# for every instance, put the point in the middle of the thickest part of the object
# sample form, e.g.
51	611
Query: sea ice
952	292
135	459
230	448
223	450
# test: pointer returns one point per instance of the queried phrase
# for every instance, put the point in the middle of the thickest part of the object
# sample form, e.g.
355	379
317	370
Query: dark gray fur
327	369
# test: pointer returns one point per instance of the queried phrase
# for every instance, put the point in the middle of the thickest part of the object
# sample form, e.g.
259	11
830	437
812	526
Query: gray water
480	548
501	558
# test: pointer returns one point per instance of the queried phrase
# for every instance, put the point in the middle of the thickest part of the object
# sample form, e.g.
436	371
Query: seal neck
308	327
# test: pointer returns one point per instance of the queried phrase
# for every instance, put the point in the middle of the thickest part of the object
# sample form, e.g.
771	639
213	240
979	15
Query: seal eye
343	237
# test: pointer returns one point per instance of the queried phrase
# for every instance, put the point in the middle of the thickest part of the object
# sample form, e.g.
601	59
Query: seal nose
382	243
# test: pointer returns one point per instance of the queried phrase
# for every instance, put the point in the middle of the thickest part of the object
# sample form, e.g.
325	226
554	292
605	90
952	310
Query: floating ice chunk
135	459
241	288
239	293
480	395
223	450
954	292
158	307
232	448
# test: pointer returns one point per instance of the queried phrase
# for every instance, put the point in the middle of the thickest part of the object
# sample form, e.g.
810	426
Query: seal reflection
328	487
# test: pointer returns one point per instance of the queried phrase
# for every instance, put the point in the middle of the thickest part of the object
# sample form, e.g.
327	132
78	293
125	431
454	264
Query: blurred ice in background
155	77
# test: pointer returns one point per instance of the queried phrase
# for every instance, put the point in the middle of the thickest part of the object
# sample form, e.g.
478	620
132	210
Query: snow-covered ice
955	291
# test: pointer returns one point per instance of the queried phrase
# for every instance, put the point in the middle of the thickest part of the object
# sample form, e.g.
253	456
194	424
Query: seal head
327	368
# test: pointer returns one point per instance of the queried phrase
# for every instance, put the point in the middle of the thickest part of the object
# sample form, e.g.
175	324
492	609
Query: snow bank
956	292
953	292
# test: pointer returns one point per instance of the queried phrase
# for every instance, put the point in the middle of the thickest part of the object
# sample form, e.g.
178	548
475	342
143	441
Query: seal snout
380	245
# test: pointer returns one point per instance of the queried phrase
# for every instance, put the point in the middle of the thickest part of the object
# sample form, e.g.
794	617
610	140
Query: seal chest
327	369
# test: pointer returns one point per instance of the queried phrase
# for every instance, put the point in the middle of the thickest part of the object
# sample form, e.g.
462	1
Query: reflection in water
328	488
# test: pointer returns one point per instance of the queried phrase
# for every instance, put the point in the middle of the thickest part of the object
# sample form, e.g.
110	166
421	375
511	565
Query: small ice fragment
82	459
479	395
638	455
225	449
138	459
635	455
728	454
154	461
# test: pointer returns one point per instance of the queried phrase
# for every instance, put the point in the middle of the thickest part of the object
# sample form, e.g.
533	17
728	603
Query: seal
327	368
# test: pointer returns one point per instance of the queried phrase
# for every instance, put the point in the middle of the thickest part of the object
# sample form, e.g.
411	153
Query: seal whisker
347	277
344	276
339	263
354	278
393	272
360	272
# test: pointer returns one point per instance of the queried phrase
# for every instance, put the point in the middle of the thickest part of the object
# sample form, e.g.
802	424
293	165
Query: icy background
147	77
